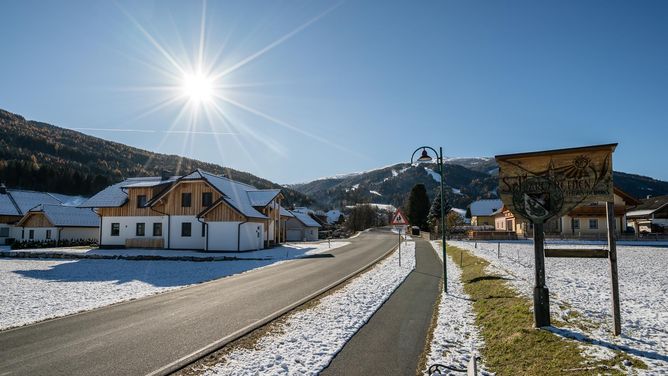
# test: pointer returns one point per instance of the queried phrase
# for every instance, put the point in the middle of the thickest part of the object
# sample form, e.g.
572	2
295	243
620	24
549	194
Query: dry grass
512	345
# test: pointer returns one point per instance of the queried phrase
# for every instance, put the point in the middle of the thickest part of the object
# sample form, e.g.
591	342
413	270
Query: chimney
165	175
3	189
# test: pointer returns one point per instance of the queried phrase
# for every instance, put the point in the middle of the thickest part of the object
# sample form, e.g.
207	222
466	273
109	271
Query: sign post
400	223
538	186
614	277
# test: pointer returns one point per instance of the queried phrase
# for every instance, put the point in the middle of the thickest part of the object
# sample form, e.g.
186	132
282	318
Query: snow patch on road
583	285
311	338
456	338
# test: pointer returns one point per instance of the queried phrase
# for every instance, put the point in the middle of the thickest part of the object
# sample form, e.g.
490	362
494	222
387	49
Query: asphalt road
139	337
392	342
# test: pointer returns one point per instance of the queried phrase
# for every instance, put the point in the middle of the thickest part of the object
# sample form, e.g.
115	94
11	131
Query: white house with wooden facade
16	203
51	222
199	211
650	216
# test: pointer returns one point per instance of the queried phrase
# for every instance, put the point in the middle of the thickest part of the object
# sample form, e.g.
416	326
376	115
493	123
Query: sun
198	88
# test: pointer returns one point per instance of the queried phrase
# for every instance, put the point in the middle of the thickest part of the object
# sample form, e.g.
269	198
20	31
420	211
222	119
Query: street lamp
424	157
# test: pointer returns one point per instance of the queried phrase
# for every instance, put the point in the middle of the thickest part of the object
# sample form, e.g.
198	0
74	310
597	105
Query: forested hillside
44	157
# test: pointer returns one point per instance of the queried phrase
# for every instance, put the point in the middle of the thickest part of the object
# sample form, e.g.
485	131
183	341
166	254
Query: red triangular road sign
399	218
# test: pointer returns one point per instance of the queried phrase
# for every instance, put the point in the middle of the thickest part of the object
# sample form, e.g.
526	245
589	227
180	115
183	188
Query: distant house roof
306	219
648	206
66	216
485	207
18	202
333	216
286	213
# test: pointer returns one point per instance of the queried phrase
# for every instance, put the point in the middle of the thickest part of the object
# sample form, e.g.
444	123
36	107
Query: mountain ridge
44	157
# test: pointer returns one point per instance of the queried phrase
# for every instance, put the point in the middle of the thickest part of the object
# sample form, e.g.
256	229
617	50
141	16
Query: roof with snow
306	219
286	213
115	195
648	206
263	197
485	207
333	216
18	202
67	216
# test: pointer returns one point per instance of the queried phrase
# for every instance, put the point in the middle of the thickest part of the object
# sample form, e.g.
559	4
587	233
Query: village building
482	212
55	222
584	221
302	227
650	216
15	203
199	211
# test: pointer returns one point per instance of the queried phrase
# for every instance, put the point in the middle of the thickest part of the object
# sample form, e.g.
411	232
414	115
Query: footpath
392	342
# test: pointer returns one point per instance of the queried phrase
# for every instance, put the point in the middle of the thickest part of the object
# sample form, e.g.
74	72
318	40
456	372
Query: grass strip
512	345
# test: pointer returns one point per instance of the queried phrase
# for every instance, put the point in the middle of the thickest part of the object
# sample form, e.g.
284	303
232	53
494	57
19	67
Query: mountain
466	179
391	184
44	157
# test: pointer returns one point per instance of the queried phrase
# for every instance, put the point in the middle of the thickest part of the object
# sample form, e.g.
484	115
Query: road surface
139	337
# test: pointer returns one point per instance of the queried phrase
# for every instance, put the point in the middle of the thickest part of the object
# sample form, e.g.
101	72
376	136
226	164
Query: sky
296	90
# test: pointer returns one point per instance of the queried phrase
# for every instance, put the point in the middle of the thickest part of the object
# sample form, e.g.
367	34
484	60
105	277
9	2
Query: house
51	222
504	220
650	216
302	227
15	203
482	212
333	216
585	220
199	211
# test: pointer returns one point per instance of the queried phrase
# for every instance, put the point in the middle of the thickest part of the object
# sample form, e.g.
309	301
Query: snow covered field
455	334
583	285
310	338
37	289
284	251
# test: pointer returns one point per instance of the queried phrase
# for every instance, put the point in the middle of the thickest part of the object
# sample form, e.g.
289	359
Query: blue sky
317	88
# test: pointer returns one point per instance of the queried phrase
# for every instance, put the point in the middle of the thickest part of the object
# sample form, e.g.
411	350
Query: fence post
498	250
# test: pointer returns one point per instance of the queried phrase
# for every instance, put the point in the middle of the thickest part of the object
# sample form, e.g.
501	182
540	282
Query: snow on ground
282	252
583	285
310	338
456	191
375	193
38	289
455	338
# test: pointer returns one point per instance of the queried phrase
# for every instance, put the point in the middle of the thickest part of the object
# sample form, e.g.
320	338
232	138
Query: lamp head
424	157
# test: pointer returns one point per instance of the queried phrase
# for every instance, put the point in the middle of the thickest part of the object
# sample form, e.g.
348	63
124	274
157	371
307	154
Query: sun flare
197	87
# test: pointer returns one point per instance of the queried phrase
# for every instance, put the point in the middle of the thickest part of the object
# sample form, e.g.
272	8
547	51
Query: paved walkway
393	340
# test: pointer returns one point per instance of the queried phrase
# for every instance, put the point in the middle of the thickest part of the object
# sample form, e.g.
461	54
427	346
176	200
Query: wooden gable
35	219
172	203
130	207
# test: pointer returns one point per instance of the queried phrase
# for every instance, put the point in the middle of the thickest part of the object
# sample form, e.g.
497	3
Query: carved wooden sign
539	185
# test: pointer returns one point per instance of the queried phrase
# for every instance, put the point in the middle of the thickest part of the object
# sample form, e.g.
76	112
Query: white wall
223	236
128	228
194	241
40	233
76	233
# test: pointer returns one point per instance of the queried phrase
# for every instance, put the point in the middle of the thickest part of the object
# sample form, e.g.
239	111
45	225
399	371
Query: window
31	234
141	229
48	234
4	232
141	201
207	199
576	224
157	229
185	200
593	224
203	229
115	229
186	229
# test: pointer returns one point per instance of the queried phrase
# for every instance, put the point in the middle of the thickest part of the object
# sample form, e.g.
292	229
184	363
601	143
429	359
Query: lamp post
424	157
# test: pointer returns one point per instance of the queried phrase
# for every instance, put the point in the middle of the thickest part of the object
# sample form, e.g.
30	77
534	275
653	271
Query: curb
217	345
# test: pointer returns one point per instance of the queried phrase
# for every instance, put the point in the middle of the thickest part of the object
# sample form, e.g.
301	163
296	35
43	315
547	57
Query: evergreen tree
417	207
435	212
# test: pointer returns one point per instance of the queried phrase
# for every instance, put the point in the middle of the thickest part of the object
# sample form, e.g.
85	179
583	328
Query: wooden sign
539	185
